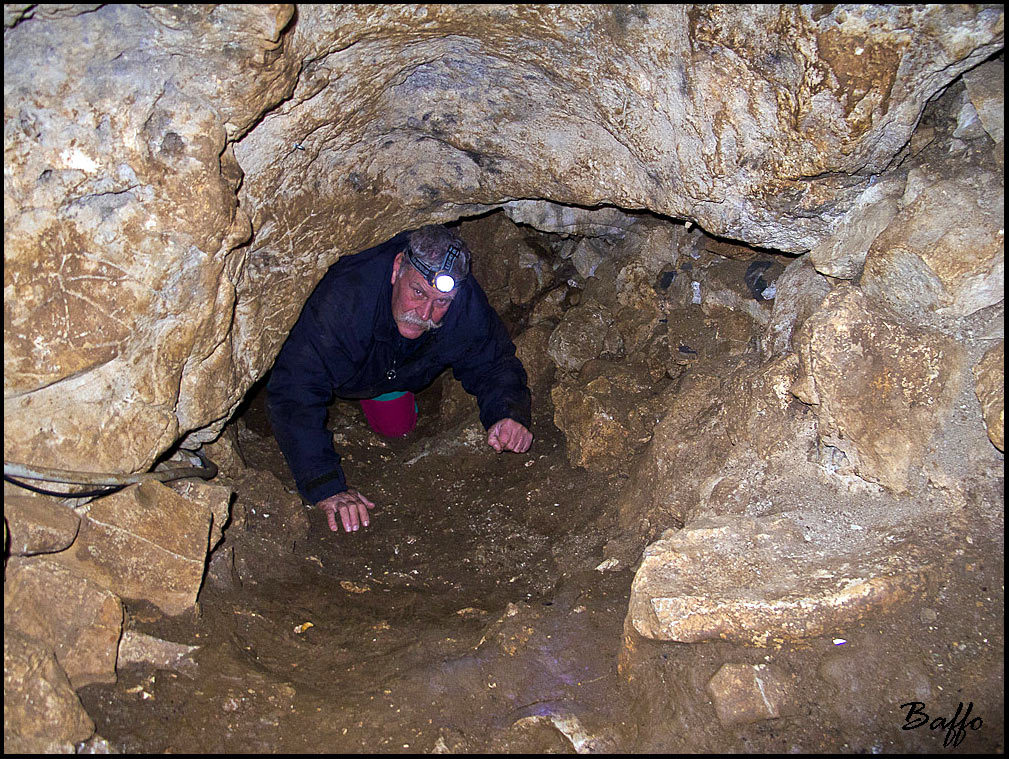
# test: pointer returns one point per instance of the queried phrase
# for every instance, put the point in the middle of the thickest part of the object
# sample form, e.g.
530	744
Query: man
380	326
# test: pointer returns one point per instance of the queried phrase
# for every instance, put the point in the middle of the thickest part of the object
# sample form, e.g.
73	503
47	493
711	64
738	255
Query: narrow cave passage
485	607
477	612
472	601
764	511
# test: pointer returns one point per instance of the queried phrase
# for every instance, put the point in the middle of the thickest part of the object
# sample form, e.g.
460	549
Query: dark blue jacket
346	344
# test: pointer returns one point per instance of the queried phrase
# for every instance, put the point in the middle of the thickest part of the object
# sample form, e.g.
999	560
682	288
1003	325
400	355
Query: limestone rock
989	375
745	693
137	648
216	499
727	423
74	616
944	251
843	254
879	389
145	542
39	525
533	275
42	714
586	332
755	581
120	218
639	308
606	222
587	258
550	307
606	415
800	290
986	89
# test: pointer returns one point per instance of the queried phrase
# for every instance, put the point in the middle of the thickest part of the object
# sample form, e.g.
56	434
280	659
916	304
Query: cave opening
479	571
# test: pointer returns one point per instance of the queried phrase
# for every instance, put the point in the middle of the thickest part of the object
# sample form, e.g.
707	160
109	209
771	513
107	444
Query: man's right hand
352	508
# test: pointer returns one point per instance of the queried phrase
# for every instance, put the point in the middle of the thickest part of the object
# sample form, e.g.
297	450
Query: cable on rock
109	483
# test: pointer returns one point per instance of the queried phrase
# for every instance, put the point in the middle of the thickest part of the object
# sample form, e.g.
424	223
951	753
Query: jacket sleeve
489	369
298	393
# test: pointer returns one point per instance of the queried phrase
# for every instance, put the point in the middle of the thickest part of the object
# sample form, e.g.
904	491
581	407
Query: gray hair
429	244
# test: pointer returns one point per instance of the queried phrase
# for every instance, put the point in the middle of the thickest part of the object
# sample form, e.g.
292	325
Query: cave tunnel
751	260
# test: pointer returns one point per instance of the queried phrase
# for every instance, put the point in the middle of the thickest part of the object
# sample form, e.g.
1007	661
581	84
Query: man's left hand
509	435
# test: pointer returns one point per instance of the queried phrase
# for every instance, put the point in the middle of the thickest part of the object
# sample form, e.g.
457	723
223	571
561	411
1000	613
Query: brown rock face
990	377
76	617
144	543
878	388
42	714
178	179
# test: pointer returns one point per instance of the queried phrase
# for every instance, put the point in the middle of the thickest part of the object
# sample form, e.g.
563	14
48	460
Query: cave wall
178	179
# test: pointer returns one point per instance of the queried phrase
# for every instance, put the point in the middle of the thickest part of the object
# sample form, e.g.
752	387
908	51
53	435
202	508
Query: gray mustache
411	318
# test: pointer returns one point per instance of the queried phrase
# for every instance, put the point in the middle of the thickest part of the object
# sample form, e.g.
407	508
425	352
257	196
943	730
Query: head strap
442	278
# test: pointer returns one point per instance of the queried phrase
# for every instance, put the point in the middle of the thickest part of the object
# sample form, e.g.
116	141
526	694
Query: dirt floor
473	616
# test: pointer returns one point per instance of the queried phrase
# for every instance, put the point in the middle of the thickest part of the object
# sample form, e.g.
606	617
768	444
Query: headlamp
439	278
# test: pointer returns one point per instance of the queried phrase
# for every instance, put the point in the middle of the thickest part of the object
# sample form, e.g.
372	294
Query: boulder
880	389
842	255
945	250
728	424
764	581
745	693
39	525
78	618
606	415
800	290
42	714
141	649
586	332
146	543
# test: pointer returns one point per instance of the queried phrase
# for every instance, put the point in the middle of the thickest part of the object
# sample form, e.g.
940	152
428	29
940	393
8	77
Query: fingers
363	500
509	435
354	515
350	507
331	518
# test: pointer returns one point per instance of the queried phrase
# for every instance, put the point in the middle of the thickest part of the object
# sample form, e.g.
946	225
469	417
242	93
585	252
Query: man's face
416	305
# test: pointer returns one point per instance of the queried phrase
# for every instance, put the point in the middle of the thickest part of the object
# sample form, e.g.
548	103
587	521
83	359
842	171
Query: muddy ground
472	616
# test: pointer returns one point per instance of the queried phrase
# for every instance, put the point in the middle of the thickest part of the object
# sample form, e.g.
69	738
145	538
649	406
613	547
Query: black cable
86	494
